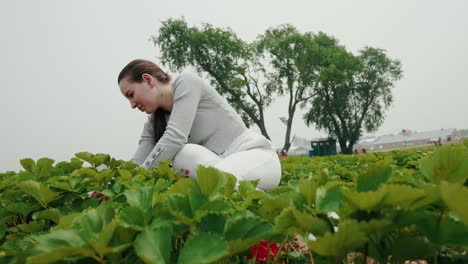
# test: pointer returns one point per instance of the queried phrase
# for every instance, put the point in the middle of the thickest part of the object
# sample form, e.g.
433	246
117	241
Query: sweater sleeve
145	145
187	93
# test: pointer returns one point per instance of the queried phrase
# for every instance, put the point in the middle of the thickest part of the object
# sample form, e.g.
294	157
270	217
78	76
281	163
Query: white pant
250	157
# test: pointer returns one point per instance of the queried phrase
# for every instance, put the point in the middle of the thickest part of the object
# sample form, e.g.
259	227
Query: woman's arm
188	91
145	145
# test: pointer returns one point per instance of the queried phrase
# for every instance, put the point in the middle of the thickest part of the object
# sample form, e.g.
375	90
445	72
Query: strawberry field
390	207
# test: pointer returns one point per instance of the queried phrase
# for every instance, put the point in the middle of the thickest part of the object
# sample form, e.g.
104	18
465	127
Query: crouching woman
191	125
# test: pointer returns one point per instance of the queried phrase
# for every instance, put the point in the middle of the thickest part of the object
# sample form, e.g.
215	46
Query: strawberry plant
392	207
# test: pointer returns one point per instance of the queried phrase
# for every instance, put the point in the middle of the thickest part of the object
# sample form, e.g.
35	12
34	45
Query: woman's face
142	95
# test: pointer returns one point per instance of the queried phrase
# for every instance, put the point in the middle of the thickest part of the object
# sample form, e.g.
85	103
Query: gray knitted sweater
199	115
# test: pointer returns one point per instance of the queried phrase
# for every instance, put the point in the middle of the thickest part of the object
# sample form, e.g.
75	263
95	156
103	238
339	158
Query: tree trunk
287	138
344	148
263	130
257	120
347	150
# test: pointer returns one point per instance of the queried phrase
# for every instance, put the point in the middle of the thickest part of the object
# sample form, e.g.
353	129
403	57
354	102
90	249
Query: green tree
354	93
294	67
230	63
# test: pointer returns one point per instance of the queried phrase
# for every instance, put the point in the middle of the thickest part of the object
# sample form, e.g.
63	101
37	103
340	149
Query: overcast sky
59	62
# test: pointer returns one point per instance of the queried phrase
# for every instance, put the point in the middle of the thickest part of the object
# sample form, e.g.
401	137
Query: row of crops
392	207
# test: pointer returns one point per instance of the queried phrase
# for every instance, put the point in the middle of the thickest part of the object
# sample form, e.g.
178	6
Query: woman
191	124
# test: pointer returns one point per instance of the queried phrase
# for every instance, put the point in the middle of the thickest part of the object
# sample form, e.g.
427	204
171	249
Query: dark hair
134	72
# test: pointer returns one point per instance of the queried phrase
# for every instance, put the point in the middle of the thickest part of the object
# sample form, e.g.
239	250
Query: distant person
284	153
191	124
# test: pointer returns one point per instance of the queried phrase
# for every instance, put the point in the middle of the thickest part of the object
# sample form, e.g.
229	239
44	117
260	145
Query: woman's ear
148	78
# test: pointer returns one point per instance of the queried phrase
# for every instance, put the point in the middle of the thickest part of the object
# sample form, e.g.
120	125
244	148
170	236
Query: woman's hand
99	195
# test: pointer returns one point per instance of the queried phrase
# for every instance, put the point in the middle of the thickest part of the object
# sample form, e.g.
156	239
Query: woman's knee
268	172
255	164
190	156
271	174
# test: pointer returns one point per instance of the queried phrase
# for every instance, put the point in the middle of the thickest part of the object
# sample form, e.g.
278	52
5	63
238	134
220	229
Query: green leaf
348	237
179	205
57	239
100	241
366	201
123	235
86	156
112	163
6	216
43	166
22	208
28	164
447	164
88	203
16	246
91	222
3	231
216	206
154	245
377	174
60	254
452	232
443	231
432	196
75	164
38	191
32	227
133	217
408	246
8	182
212	223
100	158
89	172
62	186
455	196
185	186
375	226
293	221
125	174
424	221
75	181
211	180
106	234
203	248
26	175
401	195
271	206
244	229
229	186
117	187
308	188
141	198
328	198
164	170
245	187
51	214
66	221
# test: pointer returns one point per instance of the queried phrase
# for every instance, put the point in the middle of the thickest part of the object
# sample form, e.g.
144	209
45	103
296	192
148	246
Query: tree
293	60
230	63
354	93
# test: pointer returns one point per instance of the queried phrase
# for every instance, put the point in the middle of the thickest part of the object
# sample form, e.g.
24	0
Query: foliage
354	93
294	59
231	64
345	94
395	205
